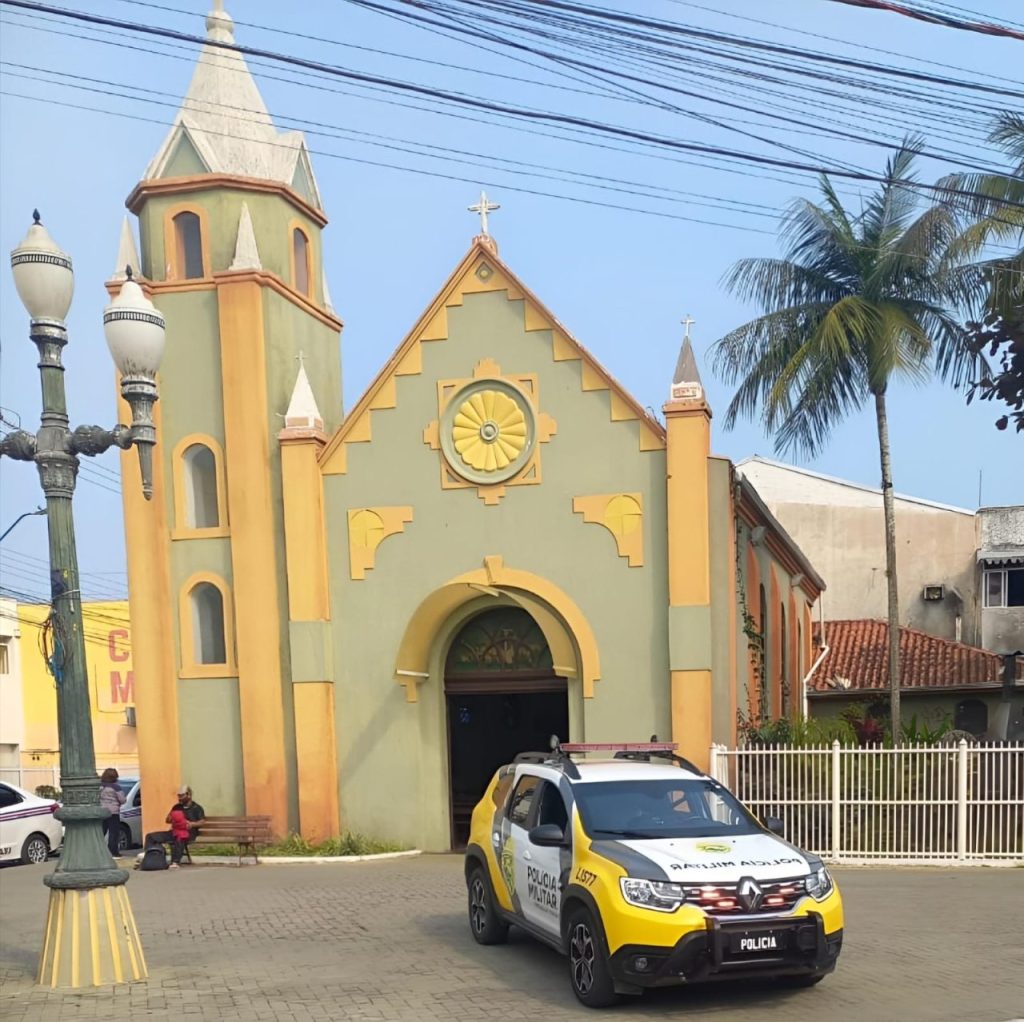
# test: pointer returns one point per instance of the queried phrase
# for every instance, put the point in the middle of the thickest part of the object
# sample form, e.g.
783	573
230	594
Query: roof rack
561	753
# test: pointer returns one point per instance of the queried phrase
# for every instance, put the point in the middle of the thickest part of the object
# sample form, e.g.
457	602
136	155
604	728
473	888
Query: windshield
662	808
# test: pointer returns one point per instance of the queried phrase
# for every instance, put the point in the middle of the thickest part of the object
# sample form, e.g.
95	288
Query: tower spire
303	412
686	381
224	127
127	253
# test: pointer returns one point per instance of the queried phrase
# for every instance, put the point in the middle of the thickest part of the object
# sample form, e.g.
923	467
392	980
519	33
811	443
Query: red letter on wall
122	691
117	653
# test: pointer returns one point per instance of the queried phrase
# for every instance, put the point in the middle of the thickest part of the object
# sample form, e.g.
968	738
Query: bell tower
230	222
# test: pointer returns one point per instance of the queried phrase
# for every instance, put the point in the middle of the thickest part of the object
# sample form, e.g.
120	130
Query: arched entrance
502	696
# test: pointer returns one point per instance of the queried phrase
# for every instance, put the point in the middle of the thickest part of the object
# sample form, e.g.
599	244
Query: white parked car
29	831
130	835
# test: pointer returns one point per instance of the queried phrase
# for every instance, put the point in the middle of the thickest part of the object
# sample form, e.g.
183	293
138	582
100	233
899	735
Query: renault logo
749	893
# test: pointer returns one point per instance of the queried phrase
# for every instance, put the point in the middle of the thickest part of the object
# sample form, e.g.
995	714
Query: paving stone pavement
388	940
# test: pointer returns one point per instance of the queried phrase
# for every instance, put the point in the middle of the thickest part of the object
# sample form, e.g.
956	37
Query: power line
616	131
986	28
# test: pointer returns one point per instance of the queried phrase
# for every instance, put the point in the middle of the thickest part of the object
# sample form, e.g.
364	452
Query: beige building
12	720
839	526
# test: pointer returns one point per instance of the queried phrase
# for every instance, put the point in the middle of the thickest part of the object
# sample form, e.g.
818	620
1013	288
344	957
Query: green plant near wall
755	637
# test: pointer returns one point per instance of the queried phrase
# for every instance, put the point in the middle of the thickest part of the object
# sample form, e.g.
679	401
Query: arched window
201	505
209	646
971	715
300	260
188	246
762	623
783	662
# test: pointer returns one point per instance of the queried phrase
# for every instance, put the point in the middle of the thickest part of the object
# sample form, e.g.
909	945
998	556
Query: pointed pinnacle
35	216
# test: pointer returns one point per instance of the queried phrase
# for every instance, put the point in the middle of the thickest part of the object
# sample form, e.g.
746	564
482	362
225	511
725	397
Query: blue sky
619	280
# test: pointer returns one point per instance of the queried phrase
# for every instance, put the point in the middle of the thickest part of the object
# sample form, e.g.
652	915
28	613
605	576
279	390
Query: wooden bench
247	833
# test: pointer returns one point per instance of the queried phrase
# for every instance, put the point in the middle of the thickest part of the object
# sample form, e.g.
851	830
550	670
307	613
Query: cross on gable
483	207
687	323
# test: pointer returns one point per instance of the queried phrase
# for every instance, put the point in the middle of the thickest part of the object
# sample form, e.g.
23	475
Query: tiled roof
859	652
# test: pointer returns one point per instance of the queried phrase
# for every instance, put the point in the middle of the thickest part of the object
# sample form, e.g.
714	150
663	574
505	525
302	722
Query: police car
29	831
645	872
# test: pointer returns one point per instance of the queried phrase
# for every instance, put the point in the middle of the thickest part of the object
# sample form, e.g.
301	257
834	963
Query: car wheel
588	965
486	925
124	839
35	849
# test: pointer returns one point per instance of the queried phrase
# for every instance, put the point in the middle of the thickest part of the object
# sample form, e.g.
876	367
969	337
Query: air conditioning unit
933	593
129	716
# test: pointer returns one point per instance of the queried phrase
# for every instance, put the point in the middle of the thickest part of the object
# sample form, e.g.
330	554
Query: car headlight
659	895
819	884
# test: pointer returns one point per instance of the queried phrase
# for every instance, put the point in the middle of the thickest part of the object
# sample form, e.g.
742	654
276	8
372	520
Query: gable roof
859	653
481	271
757	459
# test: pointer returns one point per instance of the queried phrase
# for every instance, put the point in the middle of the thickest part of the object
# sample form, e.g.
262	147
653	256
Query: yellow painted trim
188	667
691	715
150	596
733	568
181	529
302	485
256	546
793	674
76	945
172	270
270	280
317	761
413	661
186	183
115	951
368	527
310	293
173	287
469	278
622	515
689	541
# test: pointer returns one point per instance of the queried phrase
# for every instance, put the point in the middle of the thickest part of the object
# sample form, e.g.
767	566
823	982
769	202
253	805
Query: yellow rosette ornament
489	431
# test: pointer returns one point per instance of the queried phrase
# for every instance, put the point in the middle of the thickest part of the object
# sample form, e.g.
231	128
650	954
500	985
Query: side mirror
775	825
547	835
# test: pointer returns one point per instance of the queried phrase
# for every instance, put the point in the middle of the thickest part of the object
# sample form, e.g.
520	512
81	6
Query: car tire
485	924
124	839
36	849
589	974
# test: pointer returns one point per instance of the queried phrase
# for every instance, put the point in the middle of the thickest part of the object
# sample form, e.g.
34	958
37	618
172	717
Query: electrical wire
549	117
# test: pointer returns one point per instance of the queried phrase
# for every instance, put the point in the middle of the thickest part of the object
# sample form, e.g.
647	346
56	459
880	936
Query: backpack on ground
154	857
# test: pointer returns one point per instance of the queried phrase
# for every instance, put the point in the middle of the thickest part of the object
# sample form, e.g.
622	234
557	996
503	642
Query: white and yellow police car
645	872
29	831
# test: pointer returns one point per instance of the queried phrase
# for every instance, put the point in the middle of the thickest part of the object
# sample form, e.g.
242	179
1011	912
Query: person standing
111	798
179	835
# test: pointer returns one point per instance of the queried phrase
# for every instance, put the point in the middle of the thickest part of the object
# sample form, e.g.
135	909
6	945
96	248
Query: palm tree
858	302
992	289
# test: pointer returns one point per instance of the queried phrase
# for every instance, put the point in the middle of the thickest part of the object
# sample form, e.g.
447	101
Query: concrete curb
287	860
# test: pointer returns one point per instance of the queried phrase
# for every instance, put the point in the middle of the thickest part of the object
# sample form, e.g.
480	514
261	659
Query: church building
347	619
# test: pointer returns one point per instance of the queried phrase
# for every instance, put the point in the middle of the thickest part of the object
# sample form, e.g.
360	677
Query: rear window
662	808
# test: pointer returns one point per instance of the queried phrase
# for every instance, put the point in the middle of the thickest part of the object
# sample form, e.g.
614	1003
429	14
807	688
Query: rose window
489	431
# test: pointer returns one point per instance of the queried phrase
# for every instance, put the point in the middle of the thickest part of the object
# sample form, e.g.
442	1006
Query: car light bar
618	746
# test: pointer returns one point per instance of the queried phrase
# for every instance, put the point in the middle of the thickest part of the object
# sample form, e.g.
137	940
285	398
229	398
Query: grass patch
295	844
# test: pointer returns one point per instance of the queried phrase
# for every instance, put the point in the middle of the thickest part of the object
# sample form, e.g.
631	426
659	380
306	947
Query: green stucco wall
211	743
388	744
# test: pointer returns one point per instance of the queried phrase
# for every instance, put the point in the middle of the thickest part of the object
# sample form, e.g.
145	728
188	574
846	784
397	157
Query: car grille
727	900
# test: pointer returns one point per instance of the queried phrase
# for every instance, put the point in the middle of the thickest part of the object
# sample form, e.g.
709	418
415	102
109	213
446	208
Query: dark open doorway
502	698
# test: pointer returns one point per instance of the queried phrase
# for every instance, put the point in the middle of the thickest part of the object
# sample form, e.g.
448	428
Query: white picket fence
911	805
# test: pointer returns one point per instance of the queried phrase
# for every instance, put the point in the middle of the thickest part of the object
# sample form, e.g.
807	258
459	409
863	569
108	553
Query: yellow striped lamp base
91	939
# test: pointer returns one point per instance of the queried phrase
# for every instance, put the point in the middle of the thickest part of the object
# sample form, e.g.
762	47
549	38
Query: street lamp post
90	938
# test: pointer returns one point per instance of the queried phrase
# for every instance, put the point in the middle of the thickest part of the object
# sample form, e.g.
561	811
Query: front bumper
804	949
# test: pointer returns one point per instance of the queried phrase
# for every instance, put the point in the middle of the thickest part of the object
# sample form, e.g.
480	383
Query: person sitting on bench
177	838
